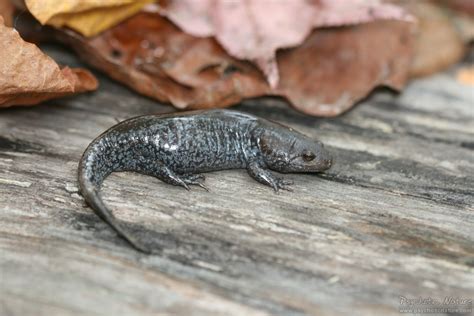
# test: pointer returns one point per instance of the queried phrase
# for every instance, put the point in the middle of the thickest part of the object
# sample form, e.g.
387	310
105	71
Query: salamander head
291	151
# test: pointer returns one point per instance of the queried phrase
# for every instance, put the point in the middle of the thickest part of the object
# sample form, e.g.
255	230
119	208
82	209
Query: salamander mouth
325	163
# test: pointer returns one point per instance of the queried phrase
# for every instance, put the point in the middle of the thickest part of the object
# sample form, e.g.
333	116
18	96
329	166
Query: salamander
177	148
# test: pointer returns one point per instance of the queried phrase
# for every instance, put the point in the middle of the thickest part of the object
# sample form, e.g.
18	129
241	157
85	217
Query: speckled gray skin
177	147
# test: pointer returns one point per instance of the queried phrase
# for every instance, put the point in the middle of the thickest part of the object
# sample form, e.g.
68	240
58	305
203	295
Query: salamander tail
91	175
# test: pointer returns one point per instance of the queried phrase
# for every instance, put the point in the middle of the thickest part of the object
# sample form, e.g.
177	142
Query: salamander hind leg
167	175
194	179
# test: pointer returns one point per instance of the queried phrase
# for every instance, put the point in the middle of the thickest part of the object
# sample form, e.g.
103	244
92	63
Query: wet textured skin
176	148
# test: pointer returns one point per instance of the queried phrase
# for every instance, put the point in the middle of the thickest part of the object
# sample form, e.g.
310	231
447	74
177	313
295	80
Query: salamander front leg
264	176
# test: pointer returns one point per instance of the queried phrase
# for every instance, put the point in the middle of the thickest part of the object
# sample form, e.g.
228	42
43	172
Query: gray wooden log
393	217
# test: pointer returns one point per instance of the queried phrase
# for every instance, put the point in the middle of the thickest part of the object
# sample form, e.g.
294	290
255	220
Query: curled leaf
28	76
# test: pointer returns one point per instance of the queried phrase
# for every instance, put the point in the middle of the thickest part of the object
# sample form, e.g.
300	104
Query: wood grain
394	216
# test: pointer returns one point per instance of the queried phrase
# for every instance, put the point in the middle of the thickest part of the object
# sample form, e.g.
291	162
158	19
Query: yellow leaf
88	17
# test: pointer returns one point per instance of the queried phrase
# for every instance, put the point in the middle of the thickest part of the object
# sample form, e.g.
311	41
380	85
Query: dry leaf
254	30
325	76
462	6
438	41
335	68
6	11
146	51
87	17
28	76
461	15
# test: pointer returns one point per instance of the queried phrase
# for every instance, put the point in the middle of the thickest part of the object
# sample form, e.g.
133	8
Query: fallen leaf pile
28	76
254	30
321	55
324	76
152	56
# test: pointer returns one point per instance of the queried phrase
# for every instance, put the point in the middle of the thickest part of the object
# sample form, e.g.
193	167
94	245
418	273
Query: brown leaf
438	42
29	76
335	68
6	11
155	58
463	6
254	30
325	76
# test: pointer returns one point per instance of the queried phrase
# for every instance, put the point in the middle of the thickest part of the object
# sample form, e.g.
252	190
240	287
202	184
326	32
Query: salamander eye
308	156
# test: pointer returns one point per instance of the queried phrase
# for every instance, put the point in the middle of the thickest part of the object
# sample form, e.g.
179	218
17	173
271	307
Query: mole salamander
176	148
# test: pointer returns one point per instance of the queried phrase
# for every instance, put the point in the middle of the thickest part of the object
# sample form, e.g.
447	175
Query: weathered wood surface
394	216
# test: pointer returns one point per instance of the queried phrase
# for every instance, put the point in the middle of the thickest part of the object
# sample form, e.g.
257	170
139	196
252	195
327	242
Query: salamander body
176	148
